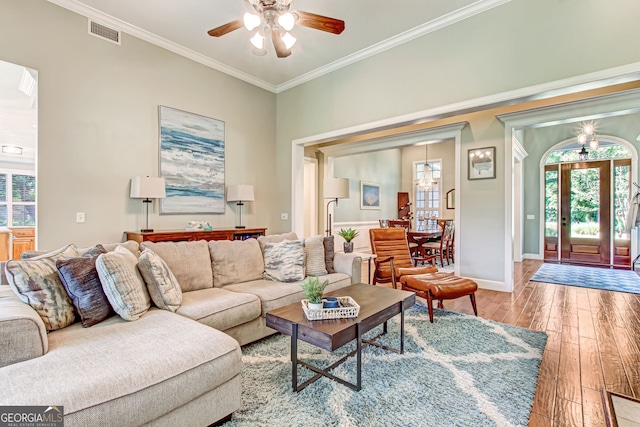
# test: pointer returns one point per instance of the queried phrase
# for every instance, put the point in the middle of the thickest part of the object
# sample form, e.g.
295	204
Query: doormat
460	370
589	277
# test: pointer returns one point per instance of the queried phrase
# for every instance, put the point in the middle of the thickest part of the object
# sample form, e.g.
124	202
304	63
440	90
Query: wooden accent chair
393	257
439	249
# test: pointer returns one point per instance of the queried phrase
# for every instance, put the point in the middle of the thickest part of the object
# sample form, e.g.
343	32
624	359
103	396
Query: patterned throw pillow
122	283
163	286
37	283
276	238
329	253
284	261
314	256
81	281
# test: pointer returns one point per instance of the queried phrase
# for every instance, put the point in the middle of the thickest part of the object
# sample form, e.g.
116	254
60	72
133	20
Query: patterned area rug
589	277
459	371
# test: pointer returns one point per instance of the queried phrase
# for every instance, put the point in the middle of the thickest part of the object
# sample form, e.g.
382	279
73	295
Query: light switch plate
284	216
79	216
531	216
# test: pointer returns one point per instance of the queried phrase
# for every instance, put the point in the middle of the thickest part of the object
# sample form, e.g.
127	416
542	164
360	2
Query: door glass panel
551	204
585	203
621	200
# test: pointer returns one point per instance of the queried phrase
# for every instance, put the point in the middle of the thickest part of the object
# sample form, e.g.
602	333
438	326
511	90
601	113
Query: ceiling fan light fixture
286	21
257	41
288	40
251	21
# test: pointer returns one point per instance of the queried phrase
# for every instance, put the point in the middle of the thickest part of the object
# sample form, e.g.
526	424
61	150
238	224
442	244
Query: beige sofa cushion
163	286
125	373
37	283
235	261
190	262
278	294
123	284
219	308
276	238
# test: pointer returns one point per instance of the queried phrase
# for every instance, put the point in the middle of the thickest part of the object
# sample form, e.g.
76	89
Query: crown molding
414	33
429	27
123	26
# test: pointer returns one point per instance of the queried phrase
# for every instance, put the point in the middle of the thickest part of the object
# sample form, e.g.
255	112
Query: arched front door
586	208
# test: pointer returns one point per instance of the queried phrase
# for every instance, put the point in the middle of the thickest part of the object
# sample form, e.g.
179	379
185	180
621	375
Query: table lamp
240	193
147	188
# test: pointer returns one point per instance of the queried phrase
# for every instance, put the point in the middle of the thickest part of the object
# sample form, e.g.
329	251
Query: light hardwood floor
594	343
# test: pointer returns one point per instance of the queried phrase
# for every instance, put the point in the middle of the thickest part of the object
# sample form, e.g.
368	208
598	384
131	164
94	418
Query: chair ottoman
440	286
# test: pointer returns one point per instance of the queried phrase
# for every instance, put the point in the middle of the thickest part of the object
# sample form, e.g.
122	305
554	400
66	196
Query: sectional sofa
178	361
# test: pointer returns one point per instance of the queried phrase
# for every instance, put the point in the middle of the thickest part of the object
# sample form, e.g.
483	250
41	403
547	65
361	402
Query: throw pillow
314	254
81	281
276	238
163	286
329	253
122	283
235	261
284	261
37	283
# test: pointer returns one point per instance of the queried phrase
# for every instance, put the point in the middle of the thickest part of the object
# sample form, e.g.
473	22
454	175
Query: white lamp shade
240	193
336	188
144	187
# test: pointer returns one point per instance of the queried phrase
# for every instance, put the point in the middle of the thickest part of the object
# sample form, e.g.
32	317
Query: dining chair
393	258
403	223
439	248
450	244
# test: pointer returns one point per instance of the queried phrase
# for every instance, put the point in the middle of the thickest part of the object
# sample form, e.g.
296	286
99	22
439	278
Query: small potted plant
348	235
313	288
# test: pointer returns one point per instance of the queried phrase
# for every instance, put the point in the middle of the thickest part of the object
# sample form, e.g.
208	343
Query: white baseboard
492	285
533	256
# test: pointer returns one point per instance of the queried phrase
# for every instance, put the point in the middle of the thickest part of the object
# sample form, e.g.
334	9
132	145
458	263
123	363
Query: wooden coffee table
377	306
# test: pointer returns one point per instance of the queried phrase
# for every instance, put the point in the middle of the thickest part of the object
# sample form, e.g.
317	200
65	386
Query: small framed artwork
369	195
482	164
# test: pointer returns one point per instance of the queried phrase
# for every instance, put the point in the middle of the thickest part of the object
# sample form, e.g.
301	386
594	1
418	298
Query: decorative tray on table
347	307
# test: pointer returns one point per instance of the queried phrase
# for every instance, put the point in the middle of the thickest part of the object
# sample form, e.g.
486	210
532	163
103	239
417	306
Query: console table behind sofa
183	235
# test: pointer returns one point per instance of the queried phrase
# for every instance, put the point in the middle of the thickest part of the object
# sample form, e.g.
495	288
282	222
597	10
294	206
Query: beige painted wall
516	45
98	124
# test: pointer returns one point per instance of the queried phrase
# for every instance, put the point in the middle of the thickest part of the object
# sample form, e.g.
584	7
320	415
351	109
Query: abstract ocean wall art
369	195
191	162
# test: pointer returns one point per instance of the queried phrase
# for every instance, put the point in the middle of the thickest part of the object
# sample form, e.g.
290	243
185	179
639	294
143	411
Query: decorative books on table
347	307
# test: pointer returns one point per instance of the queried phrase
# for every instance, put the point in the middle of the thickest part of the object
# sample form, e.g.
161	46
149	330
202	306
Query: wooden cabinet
183	235
24	239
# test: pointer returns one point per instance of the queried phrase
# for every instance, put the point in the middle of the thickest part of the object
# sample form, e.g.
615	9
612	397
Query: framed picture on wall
191	162
369	195
482	163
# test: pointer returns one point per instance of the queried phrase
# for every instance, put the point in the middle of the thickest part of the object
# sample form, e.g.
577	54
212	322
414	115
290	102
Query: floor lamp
147	188
240	193
334	189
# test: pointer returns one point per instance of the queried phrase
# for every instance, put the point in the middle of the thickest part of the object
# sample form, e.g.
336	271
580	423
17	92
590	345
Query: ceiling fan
273	17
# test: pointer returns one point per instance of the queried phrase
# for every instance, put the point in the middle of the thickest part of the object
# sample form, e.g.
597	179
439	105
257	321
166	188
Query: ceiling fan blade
226	28
319	22
278	44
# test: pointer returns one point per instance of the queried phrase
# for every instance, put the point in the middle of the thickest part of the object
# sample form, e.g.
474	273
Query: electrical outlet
79	216
284	216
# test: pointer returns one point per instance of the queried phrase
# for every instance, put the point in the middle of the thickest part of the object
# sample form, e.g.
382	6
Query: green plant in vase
348	235
313	289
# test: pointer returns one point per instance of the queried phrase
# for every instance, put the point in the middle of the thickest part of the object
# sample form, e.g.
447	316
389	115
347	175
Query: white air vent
104	32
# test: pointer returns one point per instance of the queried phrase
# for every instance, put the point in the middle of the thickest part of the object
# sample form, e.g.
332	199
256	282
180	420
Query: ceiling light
287	21
288	40
257	41
594	144
426	183
583	154
11	149
251	21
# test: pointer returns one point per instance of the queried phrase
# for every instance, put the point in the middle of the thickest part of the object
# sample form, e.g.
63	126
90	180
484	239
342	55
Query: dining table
422	237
